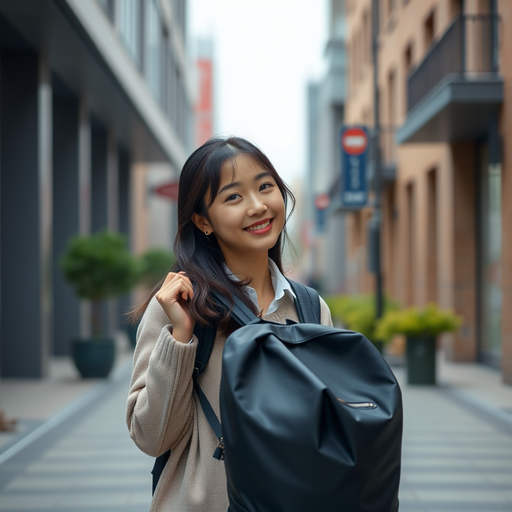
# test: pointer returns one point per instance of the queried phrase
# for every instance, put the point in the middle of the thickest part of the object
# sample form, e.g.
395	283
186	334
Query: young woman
231	230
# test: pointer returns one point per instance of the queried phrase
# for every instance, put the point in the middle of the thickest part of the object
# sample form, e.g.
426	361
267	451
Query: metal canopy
44	26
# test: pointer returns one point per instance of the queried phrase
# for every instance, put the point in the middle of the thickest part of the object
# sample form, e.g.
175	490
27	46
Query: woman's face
248	213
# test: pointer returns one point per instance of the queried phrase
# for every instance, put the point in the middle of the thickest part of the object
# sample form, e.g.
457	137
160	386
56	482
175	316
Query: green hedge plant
99	266
428	322
357	313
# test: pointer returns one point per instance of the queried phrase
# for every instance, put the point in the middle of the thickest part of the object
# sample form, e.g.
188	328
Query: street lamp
376	220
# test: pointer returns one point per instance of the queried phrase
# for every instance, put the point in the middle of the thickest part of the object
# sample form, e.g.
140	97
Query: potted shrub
99	267
357	313
421	328
153	266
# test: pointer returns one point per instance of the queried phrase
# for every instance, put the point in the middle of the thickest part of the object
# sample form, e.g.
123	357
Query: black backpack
308	306
311	417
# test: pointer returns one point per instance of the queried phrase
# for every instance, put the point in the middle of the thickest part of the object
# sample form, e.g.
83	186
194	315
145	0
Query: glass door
490	260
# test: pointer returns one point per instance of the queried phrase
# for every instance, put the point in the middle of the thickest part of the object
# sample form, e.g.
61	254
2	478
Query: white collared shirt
279	283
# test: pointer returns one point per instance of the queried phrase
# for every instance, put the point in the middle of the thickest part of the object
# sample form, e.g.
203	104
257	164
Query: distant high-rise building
324	231
204	107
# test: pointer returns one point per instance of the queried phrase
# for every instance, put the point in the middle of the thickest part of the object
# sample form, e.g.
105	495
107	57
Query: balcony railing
468	48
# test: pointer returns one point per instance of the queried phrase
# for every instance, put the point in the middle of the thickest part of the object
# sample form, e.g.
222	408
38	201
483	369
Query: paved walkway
85	463
456	456
457	451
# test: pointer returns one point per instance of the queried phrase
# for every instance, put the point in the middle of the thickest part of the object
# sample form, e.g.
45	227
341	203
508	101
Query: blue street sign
354	143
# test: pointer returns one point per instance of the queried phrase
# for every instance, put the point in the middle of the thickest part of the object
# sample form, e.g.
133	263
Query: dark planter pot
94	358
421	360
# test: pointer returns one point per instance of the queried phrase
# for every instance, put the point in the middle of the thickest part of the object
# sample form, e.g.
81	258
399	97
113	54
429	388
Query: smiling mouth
259	227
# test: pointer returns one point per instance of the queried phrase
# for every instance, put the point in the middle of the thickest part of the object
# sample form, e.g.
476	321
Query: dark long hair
200	256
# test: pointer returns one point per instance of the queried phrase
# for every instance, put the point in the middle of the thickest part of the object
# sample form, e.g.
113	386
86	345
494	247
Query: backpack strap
307	303
239	312
206	338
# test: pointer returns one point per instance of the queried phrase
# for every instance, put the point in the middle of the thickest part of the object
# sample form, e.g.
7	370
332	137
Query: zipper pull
219	451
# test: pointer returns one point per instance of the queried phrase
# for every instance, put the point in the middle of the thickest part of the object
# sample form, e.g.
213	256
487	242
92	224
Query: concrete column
124	221
99	179
26	182
66	215
112	214
99	193
84	195
45	153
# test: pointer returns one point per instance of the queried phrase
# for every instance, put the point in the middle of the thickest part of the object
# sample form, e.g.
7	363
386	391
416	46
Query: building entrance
490	260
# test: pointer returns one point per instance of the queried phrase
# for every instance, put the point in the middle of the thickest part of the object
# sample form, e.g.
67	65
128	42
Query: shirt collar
280	284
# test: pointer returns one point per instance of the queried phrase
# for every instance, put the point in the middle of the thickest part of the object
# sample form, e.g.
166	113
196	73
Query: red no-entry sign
354	141
322	201
168	190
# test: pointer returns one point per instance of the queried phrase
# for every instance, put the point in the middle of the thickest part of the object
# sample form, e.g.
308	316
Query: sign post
322	202
354	150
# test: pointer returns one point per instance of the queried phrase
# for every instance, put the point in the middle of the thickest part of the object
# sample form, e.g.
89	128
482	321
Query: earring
206	233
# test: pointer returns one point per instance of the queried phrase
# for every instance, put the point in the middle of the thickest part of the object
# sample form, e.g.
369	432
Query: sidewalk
33	401
86	462
457	451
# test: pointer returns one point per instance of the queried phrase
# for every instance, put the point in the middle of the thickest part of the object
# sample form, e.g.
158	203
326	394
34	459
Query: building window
490	244
408	59
179	8
429	29
130	27
153	46
367	38
109	8
455	7
392	114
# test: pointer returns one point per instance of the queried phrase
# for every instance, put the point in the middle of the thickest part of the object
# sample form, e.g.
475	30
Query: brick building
444	81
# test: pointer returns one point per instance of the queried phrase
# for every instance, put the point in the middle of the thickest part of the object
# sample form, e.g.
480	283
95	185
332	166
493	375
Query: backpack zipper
358	405
219	451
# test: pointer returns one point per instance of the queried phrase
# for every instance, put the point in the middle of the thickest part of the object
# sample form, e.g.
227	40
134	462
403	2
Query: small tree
154	265
99	267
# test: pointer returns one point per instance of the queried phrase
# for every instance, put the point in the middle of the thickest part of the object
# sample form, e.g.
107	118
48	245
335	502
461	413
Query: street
455	458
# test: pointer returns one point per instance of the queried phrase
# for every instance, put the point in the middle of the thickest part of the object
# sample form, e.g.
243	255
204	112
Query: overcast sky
265	52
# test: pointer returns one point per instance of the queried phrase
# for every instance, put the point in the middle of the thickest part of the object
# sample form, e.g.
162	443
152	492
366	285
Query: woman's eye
266	186
232	197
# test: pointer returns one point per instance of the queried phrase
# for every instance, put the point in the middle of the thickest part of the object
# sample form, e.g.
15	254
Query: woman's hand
173	296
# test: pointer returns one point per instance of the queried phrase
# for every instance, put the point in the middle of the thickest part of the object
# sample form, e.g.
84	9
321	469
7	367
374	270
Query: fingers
178	283
178	289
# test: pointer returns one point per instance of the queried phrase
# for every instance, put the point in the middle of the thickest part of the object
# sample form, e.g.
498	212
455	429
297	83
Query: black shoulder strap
239	312
307	303
206	338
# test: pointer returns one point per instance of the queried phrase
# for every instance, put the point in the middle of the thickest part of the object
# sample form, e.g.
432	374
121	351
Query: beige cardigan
163	411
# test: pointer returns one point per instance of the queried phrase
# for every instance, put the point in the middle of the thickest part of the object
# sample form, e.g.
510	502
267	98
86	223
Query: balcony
453	91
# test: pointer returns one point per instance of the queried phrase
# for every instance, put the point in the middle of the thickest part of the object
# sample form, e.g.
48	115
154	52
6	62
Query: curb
478	403
67	412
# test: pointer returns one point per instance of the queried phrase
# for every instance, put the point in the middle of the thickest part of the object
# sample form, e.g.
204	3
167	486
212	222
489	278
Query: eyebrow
238	184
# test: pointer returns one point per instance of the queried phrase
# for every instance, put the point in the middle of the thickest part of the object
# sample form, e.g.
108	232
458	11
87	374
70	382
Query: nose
257	207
